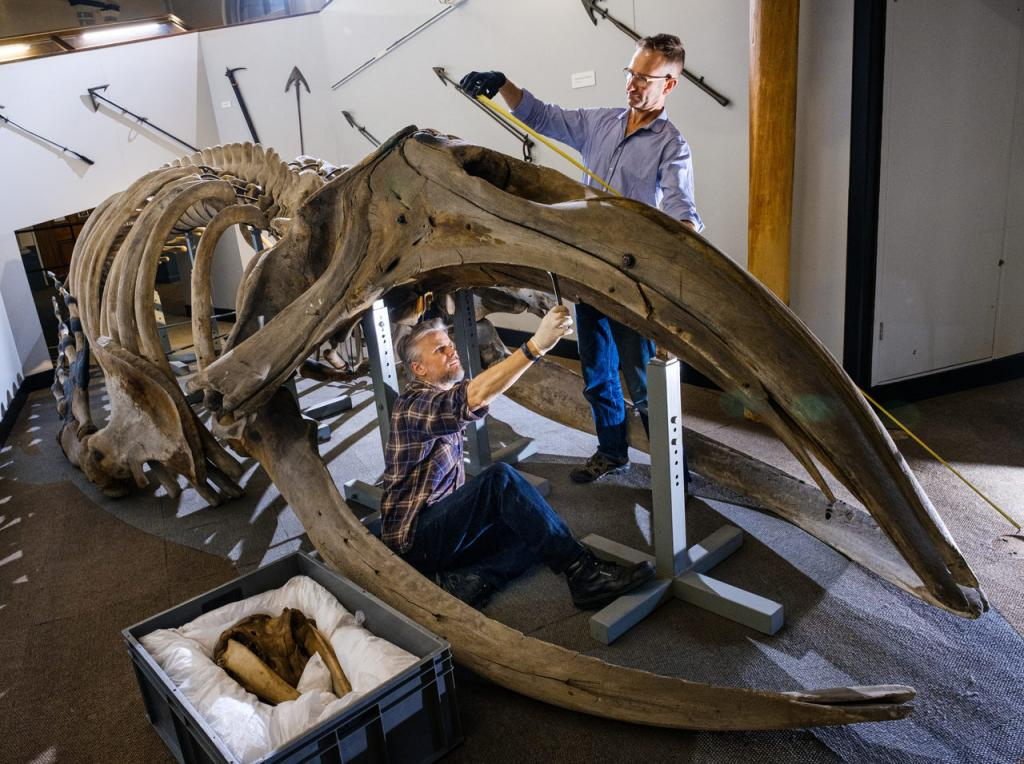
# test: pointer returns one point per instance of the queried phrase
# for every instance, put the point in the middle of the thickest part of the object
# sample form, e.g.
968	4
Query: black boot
594	583
466	586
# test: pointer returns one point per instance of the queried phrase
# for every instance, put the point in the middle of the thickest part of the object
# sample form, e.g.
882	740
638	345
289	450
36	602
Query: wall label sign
583	79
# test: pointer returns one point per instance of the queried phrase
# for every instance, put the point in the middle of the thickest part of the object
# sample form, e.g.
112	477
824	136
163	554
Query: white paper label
583	79
225	104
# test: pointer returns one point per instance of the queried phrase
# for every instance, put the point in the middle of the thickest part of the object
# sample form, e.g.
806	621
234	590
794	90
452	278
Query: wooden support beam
774	26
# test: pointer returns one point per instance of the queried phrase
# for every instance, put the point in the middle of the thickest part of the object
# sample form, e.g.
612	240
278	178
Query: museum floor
76	568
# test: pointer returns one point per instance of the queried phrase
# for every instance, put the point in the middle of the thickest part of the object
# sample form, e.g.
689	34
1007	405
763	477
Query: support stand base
691	585
329	407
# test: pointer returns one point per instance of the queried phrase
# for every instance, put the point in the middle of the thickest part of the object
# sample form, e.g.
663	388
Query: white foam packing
250	728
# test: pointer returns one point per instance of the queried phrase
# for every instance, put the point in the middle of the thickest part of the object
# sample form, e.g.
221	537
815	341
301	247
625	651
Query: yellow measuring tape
941	461
519	123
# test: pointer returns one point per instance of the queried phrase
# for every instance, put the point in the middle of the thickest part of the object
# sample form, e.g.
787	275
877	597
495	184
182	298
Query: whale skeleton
427	212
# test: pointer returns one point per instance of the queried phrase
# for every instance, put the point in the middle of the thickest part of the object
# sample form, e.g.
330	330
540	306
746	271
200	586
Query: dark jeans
606	346
496	525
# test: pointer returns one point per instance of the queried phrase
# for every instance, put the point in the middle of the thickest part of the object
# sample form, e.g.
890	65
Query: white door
950	86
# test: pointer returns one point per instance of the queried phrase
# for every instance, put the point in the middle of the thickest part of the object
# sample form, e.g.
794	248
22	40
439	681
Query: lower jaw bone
285	445
465	217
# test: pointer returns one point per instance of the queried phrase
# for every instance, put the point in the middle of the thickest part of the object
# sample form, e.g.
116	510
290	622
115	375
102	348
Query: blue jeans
606	346
495	525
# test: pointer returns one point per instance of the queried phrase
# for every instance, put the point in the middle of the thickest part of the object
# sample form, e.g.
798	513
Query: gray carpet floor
843	625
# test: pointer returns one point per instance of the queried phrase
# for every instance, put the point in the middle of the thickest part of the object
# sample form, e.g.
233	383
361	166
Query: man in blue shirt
637	151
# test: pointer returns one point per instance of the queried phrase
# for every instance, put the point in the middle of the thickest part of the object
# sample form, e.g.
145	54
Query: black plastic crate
413	717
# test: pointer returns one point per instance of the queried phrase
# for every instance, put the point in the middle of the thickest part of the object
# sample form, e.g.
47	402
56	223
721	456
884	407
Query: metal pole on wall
774	30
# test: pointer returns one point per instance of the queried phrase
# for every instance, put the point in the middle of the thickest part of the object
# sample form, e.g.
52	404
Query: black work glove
482	83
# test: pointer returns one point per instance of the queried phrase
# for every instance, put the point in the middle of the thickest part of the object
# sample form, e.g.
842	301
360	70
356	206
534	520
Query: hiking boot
465	586
597	466
594	583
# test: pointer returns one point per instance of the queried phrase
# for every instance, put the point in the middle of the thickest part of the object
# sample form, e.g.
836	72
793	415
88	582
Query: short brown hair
668	45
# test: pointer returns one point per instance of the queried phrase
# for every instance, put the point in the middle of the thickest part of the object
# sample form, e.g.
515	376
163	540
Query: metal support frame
384	375
681	570
478	443
329	408
383	370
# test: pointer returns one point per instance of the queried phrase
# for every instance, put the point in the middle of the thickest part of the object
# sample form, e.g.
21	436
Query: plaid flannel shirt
423	457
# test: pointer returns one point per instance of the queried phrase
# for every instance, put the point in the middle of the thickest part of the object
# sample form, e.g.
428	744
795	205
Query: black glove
482	83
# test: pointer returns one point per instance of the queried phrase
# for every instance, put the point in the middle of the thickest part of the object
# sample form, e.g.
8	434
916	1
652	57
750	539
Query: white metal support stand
478	443
681	570
384	375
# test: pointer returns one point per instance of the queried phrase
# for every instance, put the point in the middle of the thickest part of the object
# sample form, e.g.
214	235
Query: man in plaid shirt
475	537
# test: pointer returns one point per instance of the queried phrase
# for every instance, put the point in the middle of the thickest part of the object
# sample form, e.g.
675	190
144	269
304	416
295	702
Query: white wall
822	168
716	37
539	45
269	51
1010	317
48	95
949	175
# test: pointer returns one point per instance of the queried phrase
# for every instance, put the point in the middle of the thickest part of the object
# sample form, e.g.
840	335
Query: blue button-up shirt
652	165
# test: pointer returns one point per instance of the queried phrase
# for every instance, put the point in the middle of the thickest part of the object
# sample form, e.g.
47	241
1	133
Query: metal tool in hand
520	136
12	123
594	10
94	96
296	79
230	74
554	288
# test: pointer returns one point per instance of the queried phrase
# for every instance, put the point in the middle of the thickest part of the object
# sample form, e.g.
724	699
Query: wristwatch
530	355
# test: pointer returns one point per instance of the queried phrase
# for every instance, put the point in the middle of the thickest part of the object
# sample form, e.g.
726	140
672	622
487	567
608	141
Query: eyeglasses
643	80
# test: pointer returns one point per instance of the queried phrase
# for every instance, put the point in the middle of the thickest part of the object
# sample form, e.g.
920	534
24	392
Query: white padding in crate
249	727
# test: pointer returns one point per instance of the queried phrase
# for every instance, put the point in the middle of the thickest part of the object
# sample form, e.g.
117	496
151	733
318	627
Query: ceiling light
118	34
17	50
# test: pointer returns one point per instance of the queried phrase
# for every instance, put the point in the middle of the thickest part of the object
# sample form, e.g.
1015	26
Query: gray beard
452	378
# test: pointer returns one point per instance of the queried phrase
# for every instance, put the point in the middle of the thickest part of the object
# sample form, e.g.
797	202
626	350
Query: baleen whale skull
428	212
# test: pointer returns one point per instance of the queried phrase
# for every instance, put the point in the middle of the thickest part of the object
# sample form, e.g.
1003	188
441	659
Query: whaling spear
365	133
65	149
296	79
594	10
230	74
519	134
452	4
94	96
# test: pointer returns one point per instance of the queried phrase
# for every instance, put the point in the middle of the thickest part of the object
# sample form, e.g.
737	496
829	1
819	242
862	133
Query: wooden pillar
774	26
